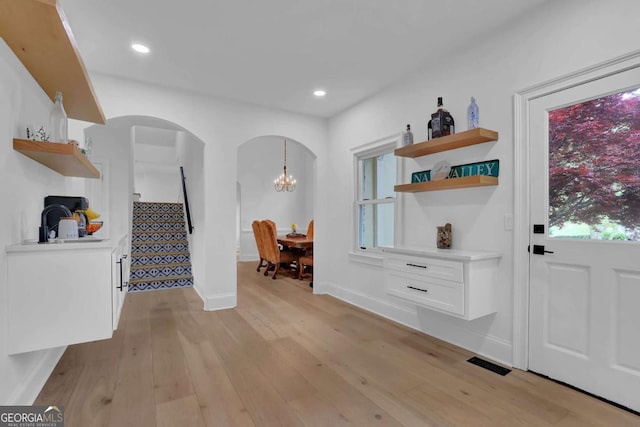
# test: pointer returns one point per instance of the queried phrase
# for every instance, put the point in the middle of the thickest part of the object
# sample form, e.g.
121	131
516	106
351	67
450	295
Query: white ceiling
275	53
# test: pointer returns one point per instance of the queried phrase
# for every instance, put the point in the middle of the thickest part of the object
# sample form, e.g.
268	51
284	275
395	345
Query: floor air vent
490	366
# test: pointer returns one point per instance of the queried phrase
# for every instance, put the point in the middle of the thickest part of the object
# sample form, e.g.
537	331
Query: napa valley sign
487	168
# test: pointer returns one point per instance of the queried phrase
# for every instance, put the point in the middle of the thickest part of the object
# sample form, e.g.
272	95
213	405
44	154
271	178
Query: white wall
25	183
154	154
563	37
190	156
157	183
156	172
114	147
259	163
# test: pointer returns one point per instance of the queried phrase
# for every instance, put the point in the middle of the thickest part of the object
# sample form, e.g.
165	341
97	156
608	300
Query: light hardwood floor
286	357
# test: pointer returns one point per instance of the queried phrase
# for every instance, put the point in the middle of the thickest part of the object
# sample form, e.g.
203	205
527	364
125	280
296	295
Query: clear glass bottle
88	147
58	122
473	115
407	137
441	123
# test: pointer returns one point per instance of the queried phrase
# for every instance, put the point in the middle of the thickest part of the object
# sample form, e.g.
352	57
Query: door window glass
594	168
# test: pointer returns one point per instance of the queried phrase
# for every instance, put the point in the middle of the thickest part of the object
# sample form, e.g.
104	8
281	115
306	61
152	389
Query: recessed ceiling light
319	93
140	48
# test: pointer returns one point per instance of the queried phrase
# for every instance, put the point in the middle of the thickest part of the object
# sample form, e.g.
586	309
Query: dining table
291	241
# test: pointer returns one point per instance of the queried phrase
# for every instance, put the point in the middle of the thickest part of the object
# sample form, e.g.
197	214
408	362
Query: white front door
584	320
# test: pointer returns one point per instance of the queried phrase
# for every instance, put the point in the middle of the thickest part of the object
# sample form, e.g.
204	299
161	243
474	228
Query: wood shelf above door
39	35
449	142
66	159
448	184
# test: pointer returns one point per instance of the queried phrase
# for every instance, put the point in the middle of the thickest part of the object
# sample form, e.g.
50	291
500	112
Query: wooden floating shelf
66	159
448	184
449	142
39	35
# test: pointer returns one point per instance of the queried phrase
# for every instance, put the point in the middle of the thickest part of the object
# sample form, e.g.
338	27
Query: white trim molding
488	346
220	302
372	258
521	187
371	149
217	302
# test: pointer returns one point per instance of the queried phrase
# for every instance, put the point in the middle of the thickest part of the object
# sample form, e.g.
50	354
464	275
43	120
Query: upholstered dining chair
310	230
258	236
275	230
273	255
305	263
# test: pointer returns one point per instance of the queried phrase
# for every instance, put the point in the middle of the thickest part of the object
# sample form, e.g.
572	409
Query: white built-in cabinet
455	282
119	278
62	294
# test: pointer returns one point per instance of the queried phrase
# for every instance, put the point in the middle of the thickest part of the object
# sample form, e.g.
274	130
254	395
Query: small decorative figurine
444	236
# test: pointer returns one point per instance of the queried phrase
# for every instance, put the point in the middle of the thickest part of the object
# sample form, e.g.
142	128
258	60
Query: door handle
122	284
539	250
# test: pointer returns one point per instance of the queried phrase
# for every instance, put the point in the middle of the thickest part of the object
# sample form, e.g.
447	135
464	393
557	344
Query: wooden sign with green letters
488	168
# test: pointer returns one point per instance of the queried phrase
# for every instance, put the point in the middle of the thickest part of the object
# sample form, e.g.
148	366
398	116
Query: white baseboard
200	294
220	302
439	326
249	258
217	302
28	390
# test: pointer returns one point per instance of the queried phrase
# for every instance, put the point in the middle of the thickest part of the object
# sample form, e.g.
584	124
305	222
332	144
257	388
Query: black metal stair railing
186	200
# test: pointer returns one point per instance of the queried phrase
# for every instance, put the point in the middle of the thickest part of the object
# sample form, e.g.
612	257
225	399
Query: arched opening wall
222	126
140	159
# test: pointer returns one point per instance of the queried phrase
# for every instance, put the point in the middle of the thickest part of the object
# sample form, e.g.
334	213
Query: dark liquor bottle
441	123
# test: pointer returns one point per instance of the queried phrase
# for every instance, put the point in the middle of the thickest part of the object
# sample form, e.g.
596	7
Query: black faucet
43	234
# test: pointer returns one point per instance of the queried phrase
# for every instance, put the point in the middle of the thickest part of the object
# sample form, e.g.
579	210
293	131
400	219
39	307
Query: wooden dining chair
275	229
259	243
305	263
310	230
305	267
273	255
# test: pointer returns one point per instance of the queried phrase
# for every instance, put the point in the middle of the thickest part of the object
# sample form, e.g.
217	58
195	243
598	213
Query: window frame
379	147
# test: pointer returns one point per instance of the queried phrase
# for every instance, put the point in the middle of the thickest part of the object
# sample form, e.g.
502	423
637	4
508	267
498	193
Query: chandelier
284	182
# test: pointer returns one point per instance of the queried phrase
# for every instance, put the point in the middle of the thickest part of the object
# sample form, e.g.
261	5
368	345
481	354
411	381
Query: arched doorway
259	162
140	158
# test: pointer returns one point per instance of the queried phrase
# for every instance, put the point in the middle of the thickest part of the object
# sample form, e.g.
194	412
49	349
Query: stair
160	257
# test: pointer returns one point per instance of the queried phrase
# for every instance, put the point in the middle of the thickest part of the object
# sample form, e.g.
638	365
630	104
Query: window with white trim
375	197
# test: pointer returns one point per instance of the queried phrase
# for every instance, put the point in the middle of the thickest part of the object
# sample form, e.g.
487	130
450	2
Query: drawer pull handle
417	289
416	265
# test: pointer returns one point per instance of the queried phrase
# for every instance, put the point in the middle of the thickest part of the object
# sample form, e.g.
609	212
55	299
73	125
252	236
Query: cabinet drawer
426	267
442	295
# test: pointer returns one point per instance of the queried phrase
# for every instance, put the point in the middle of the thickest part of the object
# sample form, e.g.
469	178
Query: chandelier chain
284	182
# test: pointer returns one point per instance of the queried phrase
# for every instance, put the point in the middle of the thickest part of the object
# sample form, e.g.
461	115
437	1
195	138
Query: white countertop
84	243
454	254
